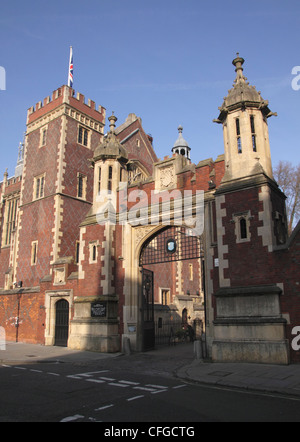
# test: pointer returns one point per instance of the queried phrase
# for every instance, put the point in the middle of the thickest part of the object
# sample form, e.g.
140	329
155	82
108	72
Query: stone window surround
51	298
236	219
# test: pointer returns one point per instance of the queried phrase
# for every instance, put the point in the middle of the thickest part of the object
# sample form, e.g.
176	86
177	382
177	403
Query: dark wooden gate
148	311
62	323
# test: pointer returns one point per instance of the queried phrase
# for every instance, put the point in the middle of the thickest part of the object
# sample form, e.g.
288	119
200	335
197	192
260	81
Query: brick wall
253	263
37	217
23	317
91	284
39	160
248	261
74	212
37	223
76	160
164	276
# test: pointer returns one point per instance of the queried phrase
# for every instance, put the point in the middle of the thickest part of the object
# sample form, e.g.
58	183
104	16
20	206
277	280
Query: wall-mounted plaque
98	309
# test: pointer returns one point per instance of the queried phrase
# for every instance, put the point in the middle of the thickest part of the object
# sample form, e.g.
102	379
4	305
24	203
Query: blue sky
168	61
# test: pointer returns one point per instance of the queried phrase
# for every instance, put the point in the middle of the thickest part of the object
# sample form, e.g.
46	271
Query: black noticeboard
98	309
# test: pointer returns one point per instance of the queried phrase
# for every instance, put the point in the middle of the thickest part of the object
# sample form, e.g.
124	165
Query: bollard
198	350
126	346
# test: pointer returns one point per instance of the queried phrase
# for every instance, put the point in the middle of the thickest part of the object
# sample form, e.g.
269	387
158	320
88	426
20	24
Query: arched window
243	228
99	180
80	186
109	184
93	252
238	134
253	133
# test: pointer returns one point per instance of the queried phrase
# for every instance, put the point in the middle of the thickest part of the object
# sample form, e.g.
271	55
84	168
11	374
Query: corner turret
244	115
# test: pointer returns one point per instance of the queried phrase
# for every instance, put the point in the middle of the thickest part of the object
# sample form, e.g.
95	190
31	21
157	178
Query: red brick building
98	238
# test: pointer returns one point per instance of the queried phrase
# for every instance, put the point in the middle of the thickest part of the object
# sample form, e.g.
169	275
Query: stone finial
112	120
238	63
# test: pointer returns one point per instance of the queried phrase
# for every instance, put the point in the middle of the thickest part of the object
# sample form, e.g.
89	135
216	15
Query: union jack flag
70	76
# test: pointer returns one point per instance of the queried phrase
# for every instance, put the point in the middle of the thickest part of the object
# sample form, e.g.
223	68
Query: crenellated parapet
64	101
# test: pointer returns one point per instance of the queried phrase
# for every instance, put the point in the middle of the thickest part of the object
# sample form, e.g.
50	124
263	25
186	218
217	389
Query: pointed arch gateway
172	263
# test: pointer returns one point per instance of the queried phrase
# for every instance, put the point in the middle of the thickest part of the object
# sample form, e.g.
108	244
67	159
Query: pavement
20	353
260	378
180	360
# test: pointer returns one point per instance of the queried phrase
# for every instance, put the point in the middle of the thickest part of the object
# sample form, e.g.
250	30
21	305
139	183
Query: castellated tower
57	186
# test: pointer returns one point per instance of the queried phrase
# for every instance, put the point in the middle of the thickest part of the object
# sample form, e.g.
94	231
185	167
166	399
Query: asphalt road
129	390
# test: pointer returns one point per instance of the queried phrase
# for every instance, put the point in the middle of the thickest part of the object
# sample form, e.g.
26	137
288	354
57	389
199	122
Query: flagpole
70	73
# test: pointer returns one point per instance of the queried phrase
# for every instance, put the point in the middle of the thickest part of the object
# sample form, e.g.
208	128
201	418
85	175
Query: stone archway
174	257
52	298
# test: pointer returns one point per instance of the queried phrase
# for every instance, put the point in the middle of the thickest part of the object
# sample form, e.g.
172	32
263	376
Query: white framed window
43	135
81	185
10	220
34	252
93	252
191	272
39	187
83	136
165	296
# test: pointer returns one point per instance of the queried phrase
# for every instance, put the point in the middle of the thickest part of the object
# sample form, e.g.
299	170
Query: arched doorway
61	323
172	282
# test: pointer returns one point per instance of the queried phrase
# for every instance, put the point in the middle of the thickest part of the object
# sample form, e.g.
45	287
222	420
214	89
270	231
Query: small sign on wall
98	309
